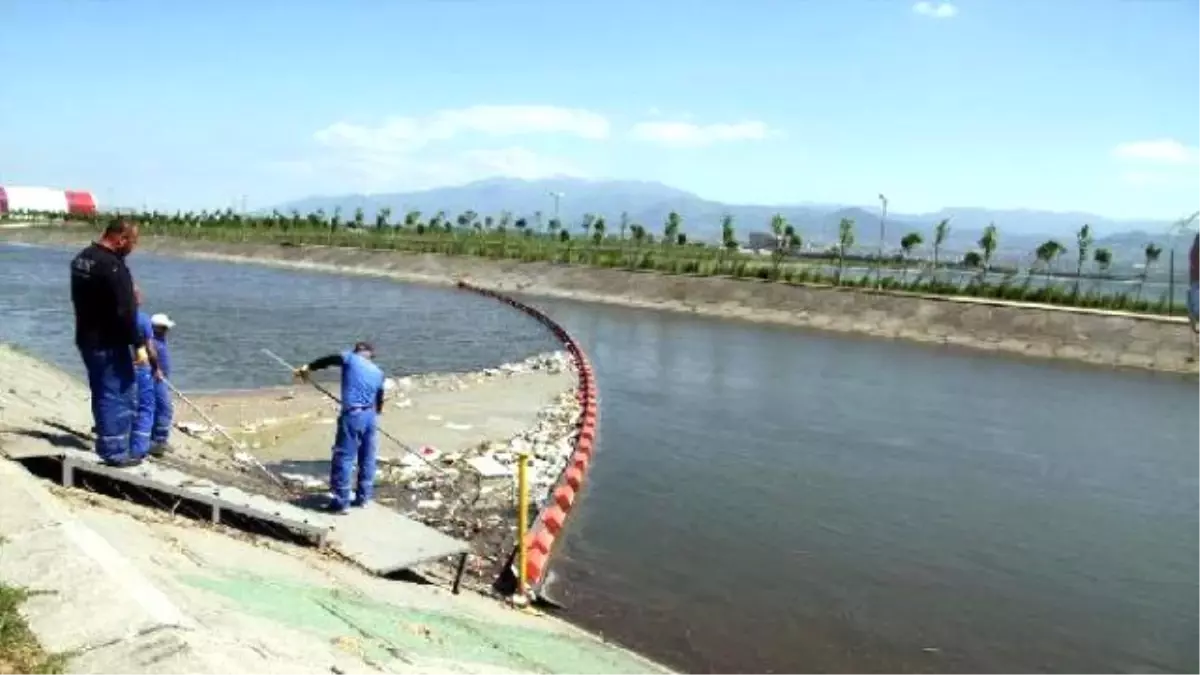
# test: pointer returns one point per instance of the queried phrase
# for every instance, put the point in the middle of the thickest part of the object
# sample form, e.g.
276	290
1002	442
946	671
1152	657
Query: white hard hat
162	321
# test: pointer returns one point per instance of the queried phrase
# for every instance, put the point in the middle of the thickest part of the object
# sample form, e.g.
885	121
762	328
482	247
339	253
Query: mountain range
648	203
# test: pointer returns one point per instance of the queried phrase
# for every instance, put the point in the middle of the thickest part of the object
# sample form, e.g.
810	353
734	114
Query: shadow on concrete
58	440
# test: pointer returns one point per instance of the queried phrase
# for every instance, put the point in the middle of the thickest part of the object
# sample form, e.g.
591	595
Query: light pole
1178	226
882	225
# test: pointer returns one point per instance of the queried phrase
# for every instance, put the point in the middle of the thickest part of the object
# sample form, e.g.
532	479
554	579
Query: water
777	500
227	313
787	501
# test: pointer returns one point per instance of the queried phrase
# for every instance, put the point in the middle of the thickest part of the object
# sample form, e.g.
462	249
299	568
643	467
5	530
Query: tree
598	227
785	237
1152	252
624	223
728	239
1047	253
941	231
382	216
412	218
360	218
972	259
681	239
671	227
586	225
988	242
1103	259
908	243
1083	243
845	241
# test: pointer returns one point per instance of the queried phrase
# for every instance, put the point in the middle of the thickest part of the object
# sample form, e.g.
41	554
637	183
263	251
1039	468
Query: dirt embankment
1093	336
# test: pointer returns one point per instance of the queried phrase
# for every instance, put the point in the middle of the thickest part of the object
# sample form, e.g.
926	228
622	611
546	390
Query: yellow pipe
522	519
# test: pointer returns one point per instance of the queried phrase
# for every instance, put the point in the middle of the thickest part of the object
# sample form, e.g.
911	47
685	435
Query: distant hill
648	203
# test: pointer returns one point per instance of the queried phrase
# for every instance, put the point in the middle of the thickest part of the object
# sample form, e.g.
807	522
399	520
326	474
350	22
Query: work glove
301	373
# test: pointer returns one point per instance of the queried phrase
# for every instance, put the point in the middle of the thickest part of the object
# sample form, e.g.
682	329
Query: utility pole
883	202
557	196
1179	226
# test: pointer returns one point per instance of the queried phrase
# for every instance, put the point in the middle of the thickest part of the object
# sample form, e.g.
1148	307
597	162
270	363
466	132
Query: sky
1065	105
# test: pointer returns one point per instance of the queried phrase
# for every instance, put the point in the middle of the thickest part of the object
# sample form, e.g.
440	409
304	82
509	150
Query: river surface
770	499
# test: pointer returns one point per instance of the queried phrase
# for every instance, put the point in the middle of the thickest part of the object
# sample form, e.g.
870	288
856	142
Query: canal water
769	499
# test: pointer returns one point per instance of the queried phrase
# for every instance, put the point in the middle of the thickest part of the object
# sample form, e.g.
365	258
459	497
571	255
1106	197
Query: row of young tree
632	246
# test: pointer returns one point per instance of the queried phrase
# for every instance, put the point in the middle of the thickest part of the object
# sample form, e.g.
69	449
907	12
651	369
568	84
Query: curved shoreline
1092	336
552	517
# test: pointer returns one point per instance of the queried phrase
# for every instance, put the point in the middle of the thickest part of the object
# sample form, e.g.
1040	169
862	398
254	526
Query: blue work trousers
111	380
143	421
164	413
356	441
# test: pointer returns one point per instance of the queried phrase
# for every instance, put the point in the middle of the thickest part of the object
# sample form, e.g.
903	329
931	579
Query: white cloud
935	10
410	133
686	134
412	153
1158	151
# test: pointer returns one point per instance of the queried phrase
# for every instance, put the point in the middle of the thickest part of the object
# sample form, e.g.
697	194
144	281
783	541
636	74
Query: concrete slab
170	650
384	542
37	440
73	573
219	498
21	509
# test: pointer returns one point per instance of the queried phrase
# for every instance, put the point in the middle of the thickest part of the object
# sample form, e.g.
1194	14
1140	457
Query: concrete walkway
122	588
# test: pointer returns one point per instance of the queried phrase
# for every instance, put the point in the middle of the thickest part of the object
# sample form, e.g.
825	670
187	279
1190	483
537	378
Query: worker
144	376
106	333
164	407
362	402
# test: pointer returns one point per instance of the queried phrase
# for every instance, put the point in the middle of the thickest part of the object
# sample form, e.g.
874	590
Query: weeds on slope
19	648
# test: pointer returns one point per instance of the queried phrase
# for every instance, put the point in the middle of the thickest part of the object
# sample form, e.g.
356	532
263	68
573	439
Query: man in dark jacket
107	334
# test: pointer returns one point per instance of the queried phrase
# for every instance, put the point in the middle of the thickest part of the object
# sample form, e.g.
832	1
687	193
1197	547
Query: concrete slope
123	588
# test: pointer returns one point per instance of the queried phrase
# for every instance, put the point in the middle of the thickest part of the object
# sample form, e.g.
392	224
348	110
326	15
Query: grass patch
19	648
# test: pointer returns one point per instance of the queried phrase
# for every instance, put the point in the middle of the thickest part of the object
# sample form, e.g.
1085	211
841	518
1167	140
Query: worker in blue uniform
362	402
144	376
164	407
106	335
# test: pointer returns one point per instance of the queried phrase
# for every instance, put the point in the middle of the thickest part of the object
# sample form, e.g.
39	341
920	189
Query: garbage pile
548	362
472	495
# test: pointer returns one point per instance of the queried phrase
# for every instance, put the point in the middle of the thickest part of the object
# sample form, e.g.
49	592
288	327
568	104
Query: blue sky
1048	104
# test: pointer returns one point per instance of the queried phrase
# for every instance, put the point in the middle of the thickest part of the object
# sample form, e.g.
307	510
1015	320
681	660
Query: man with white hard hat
164	408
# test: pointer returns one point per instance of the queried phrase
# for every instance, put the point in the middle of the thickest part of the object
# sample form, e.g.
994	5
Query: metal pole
1171	280
879	255
216	427
522	519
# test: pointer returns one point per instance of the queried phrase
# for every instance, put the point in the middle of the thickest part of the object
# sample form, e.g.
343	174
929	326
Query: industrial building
17	200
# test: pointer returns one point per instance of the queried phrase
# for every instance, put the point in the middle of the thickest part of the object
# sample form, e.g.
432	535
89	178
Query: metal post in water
522	519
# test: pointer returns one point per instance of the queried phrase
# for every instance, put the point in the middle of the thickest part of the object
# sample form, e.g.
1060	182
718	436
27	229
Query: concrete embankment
118	587
1093	336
